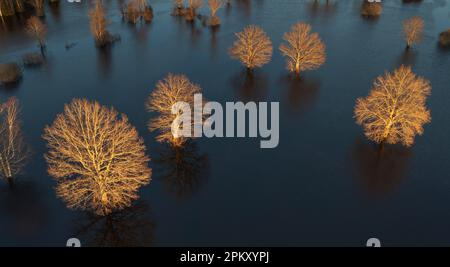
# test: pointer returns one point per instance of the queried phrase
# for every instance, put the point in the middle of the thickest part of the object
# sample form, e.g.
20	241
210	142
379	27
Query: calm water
324	185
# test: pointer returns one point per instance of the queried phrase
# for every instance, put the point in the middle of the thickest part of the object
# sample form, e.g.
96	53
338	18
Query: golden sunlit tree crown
13	151
304	50
36	29
413	30
96	157
173	89
98	22
395	110
252	47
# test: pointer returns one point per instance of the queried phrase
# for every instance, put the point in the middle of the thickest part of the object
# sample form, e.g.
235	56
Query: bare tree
36	29
98	23
304	50
173	89
178	9
395	110
214	6
252	47
413	29
191	11
137	10
96	157
371	9
39	6
13	151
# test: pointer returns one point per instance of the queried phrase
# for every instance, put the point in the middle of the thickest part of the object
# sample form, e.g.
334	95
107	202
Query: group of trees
99	160
189	11
10	7
136	10
303	50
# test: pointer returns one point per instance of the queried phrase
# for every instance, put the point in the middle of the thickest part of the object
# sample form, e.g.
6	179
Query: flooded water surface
324	185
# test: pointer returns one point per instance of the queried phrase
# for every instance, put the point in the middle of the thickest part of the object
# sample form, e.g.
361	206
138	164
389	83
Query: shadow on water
183	169
214	30
104	55
11	87
55	11
250	85
381	169
407	57
301	92
130	227
23	206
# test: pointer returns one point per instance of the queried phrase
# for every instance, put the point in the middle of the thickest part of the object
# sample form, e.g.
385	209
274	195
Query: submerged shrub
136	10
32	59
214	6
444	38
10	72
178	8
371	9
191	11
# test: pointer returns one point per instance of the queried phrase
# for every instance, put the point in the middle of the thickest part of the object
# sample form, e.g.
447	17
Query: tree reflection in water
130	227
250	85
301	92
183	169
327	8
381	168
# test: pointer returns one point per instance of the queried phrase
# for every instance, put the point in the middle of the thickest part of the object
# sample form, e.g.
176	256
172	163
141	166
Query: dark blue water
324	185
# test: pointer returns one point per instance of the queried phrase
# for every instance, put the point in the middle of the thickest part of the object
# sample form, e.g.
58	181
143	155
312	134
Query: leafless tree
191	11
98	23
395	110
413	30
173	89
304	50
96	157
37	30
371	9
13	150
214	6
252	47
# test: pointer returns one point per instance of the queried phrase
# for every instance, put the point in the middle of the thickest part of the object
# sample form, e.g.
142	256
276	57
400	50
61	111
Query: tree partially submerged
168	92
214	6
36	29
444	38
137	10
13	150
191	10
98	23
304	50
178	8
252	47
413	30
96	157
10	73
395	110
371	9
